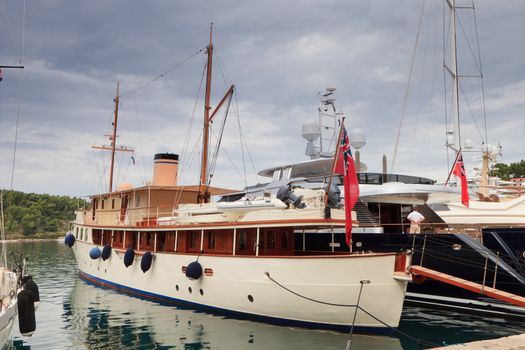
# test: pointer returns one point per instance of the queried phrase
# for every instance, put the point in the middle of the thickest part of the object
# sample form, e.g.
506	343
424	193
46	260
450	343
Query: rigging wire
481	75
185	158
229	158
242	146
446	113
20	85
139	127
213	162
470	110
162	75
243	138
403	108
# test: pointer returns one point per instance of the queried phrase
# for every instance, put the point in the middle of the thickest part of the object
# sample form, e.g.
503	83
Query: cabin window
161	242
102	204
137	201
243	240
131	239
82	234
246	241
97	237
211	239
113	203
286	240
194	239
147	241
95	203
270	240
166	241
123	208
76	232
106	237
117	239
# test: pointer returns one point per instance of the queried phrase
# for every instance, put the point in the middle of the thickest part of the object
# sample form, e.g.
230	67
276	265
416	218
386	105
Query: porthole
177	287
189	290
456	247
250	298
523	254
201	291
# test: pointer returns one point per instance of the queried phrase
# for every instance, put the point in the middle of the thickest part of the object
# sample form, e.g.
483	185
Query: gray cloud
278	54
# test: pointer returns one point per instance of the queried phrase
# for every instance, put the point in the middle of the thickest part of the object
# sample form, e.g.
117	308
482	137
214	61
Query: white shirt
415	217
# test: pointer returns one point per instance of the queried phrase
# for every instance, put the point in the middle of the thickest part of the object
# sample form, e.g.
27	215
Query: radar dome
311	130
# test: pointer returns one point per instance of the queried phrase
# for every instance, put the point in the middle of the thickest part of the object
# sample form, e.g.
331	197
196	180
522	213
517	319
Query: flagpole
334	163
453	165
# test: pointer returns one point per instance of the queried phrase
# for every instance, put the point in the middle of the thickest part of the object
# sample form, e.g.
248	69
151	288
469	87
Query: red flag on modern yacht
459	171
345	166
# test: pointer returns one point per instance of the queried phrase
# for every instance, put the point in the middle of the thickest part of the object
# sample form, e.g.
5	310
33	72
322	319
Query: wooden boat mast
204	196
113	139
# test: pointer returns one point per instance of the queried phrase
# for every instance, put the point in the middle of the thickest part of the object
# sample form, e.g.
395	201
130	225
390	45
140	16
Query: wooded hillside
28	213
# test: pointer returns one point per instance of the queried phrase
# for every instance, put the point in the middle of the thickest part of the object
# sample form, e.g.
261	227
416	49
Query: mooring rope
417	340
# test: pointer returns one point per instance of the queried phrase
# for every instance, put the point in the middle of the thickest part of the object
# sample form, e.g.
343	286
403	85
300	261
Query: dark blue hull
449	254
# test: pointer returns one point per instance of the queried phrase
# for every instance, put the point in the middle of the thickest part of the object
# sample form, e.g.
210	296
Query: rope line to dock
417	340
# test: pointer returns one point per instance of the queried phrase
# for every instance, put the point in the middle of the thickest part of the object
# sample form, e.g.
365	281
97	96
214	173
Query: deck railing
148	217
143	216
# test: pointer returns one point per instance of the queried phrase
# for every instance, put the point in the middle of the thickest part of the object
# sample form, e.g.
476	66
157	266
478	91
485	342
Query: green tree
31	213
513	170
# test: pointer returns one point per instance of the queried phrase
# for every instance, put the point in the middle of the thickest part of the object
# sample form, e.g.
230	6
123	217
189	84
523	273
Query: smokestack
165	169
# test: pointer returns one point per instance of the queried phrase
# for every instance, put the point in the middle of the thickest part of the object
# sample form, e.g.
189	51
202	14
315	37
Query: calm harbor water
76	315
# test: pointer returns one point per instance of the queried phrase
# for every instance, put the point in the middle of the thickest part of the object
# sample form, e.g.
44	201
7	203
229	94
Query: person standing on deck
415	218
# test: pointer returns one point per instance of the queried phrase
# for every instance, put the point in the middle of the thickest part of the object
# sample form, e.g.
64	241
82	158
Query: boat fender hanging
145	262
69	240
194	270
29	284
94	253
26	312
129	256
106	252
285	195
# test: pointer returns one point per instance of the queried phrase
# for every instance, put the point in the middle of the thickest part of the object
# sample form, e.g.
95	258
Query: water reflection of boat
99	318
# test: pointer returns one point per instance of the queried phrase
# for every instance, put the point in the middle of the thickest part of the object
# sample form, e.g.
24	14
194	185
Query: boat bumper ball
145	262
194	271
129	256
69	240
94	253
106	252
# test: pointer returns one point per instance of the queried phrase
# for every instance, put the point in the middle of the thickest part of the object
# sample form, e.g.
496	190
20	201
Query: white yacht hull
510	212
240	286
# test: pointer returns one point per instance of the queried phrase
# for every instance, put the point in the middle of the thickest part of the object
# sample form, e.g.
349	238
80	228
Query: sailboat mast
203	196
454	73
113	141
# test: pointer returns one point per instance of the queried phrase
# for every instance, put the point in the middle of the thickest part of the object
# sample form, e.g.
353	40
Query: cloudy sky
278	54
